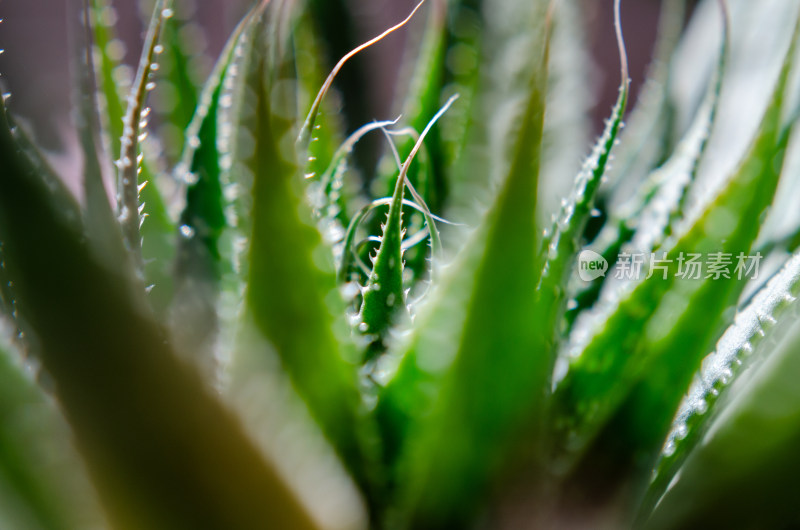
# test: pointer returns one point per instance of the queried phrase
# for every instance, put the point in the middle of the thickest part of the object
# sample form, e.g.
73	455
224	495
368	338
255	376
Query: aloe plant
251	340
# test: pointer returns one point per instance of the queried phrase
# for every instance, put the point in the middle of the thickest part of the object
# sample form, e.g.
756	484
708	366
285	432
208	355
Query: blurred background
35	67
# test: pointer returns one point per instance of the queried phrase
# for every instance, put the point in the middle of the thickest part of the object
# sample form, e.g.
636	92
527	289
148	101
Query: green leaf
330	202
177	69
157	442
312	69
99	215
565	237
473	376
291	301
567	123
742	469
59	195
645	220
749	341
305	136
384	296
43	483
647	138
337	32
130	210
200	266
619	395
422	98
157	230
384	292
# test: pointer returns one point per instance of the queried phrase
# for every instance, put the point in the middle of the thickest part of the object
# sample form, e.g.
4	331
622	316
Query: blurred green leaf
43	483
200	266
177	89
647	139
156	441
567	122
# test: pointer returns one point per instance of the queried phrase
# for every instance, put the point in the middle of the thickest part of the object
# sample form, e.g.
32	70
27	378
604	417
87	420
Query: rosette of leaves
250	340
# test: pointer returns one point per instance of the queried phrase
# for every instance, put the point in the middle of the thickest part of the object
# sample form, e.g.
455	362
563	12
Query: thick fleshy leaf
200	266
43	483
291	301
752	339
743	468
157	441
384	297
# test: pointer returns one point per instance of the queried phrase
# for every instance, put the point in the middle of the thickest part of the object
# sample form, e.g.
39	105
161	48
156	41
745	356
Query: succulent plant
267	332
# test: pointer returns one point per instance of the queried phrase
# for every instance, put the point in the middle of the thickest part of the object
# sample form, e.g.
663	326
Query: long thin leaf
128	163
291	301
644	221
564	238
631	374
158	232
99	215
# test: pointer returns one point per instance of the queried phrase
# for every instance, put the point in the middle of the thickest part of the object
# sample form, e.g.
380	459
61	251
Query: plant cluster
276	334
